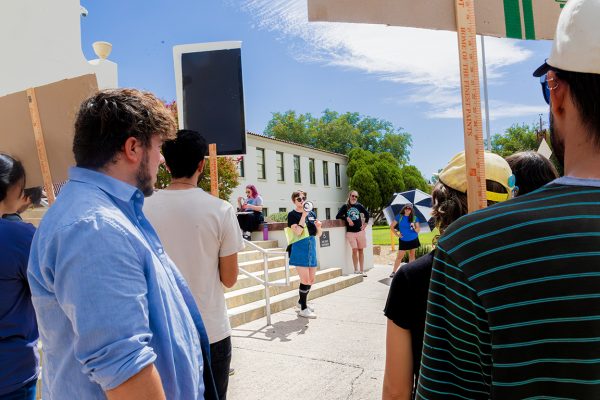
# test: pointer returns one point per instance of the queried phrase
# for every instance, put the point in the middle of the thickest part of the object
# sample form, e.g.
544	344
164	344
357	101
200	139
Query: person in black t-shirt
406	305
350	213
304	251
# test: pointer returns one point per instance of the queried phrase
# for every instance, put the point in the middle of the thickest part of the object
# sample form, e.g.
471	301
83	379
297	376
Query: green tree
341	133
376	177
364	183
520	138
516	138
413	179
291	127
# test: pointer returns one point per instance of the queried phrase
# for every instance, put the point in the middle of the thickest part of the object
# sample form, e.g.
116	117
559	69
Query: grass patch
381	236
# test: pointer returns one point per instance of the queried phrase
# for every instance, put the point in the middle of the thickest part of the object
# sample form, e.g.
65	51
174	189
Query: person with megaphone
303	227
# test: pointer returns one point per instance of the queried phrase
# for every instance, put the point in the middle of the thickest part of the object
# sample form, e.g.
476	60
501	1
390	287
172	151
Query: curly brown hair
108	118
449	204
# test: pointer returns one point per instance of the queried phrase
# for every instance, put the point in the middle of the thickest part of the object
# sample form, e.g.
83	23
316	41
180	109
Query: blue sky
407	76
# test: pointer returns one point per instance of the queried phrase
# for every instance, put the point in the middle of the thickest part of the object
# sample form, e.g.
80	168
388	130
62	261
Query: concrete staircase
246	300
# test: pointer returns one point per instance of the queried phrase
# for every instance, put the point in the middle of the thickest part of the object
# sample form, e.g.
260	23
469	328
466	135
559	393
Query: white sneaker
364	274
356	272
298	307
307	313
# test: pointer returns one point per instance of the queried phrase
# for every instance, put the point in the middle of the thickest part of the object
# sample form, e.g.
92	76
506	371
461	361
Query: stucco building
277	168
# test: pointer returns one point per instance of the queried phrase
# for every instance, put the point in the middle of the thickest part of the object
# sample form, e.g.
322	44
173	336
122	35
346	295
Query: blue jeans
26	392
220	360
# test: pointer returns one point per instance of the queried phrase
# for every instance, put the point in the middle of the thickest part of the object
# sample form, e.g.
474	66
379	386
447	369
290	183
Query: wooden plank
40	144
471	103
214	173
518	19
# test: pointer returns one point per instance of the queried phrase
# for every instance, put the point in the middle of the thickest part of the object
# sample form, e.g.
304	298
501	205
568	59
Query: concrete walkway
339	355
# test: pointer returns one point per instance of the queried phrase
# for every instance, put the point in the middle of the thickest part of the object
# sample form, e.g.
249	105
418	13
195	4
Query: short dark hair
298	193
531	170
585	92
34	194
108	118
11	173
184	153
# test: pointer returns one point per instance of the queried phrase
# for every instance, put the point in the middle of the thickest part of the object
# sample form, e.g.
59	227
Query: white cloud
425	60
497	110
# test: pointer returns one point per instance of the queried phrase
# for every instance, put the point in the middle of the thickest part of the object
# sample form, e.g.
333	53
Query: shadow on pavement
279	330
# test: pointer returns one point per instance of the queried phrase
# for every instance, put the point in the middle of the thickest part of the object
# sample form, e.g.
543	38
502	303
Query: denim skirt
304	253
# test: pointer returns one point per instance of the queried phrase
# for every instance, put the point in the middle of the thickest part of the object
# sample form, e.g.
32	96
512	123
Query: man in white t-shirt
201	235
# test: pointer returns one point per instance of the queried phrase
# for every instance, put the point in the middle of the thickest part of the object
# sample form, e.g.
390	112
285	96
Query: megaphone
308	206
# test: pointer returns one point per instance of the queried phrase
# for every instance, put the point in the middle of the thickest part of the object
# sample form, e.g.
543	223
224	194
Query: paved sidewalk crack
362	371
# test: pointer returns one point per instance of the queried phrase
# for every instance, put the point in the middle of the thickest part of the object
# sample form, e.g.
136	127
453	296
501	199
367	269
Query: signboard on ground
57	106
518	19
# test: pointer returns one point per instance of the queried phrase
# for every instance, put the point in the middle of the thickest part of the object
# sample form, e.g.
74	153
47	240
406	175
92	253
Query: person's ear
201	165
132	150
558	92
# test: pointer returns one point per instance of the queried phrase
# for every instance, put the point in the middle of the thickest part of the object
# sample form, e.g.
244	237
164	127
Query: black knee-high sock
303	291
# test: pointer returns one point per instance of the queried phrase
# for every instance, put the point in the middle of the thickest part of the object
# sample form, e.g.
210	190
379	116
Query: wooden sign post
40	145
471	104
519	19
214	173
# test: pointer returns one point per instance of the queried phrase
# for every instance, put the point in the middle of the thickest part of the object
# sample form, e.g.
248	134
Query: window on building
265	211
328	213
279	165
325	173
240	167
261	173
338	181
297	176
282	209
311	171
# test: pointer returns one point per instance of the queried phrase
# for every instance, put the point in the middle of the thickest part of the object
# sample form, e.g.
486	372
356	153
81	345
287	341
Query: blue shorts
304	253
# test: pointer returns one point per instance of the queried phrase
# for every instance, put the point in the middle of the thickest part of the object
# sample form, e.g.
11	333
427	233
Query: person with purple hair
250	209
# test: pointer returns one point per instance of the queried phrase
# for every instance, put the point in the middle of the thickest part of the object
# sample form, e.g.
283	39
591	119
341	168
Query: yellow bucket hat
496	169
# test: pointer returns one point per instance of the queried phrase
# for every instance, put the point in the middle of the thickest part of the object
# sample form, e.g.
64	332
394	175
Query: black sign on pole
210	95
324	239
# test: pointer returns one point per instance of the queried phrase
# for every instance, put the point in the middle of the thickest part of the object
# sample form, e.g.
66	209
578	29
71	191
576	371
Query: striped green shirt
514	301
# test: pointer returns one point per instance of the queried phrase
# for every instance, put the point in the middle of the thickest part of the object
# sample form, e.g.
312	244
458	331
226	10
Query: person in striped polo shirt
514	302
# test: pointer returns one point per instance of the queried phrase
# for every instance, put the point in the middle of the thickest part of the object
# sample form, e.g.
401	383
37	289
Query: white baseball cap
576	46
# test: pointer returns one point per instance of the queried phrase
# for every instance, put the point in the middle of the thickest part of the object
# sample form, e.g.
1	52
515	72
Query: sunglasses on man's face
545	88
300	198
353	196
544	81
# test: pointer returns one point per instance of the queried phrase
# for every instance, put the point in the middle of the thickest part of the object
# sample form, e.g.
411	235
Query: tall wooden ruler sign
40	144
214	172
471	102
519	19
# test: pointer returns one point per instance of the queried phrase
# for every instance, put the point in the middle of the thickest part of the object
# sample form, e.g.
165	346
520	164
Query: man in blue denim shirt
116	318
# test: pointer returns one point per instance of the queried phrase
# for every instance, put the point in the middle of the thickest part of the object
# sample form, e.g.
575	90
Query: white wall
40	43
330	257
277	194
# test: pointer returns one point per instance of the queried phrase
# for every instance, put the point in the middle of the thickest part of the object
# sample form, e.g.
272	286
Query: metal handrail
265	282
